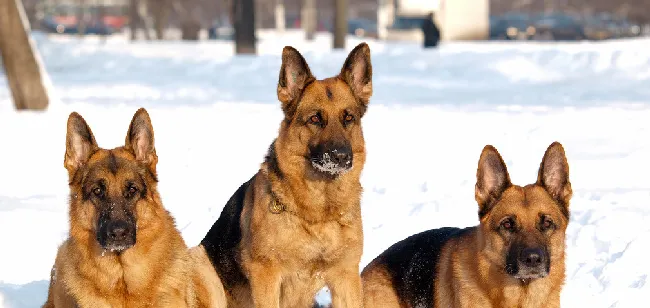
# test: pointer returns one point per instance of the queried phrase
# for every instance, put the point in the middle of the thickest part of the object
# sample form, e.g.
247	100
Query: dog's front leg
265	282
345	286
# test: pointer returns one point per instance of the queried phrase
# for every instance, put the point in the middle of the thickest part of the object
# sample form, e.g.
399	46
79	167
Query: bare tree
134	18
340	23
244	24
161	11
101	12
144	18
190	25
19	58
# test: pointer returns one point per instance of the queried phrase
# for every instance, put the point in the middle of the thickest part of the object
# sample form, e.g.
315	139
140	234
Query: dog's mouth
528	275
325	163
117	247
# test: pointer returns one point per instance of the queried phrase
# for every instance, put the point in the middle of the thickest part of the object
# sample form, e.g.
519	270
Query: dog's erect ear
294	76
140	140
492	179
80	143
357	72
554	175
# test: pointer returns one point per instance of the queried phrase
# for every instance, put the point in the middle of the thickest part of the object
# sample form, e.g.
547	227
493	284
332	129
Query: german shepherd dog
124	249
513	258
295	226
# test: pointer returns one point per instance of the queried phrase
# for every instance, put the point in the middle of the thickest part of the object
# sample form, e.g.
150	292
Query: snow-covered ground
431	114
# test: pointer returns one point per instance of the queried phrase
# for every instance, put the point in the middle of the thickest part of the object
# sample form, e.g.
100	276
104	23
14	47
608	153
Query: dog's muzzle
531	263
116	235
331	159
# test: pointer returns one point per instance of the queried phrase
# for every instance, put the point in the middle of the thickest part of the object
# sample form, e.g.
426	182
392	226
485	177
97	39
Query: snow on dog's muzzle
331	158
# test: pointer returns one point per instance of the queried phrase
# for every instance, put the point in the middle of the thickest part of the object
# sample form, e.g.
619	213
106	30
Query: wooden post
244	24
340	23
19	58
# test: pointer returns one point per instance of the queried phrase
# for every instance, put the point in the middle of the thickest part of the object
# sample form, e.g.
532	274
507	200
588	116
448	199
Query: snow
432	112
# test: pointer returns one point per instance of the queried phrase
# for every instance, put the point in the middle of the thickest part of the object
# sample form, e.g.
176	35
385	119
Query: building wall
457	19
464	19
417	6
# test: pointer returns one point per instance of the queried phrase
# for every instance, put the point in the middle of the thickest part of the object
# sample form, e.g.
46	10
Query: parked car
293	21
221	31
362	27
52	25
558	26
404	22
512	26
598	29
627	28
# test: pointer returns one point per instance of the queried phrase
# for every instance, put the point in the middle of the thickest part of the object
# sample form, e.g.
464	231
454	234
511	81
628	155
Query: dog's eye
547	223
508	224
98	192
349	118
132	189
315	119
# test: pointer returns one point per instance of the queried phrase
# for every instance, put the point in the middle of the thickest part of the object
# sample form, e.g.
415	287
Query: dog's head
523	228
321	133
110	190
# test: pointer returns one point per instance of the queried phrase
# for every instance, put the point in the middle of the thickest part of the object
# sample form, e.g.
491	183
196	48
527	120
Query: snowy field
431	114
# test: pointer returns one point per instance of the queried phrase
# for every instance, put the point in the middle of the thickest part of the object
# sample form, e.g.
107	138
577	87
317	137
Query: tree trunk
143	17
81	18
19	58
244	24
161	17
101	12
340	23
134	18
309	19
190	26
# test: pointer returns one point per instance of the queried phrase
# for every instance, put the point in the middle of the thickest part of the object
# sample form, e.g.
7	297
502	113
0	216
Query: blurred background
383	19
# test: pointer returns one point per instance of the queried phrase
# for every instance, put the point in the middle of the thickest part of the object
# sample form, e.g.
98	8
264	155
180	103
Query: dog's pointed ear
554	175
357	72
294	76
492	179
140	140
80	143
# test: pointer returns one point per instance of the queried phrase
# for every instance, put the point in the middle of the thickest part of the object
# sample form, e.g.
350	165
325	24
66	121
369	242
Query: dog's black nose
341	156
118	231
532	257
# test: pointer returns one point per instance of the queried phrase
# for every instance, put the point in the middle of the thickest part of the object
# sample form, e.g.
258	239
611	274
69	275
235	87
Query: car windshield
557	20
408	22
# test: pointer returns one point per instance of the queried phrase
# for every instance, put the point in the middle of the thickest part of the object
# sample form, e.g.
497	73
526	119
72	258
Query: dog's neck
313	200
129	268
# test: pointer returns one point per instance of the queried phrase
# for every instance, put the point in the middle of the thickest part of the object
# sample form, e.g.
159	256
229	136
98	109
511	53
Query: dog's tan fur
158	271
317	238
470	270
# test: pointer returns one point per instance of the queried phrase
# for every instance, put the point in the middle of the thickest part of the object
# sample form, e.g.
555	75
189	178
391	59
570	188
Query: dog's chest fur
298	242
307	243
